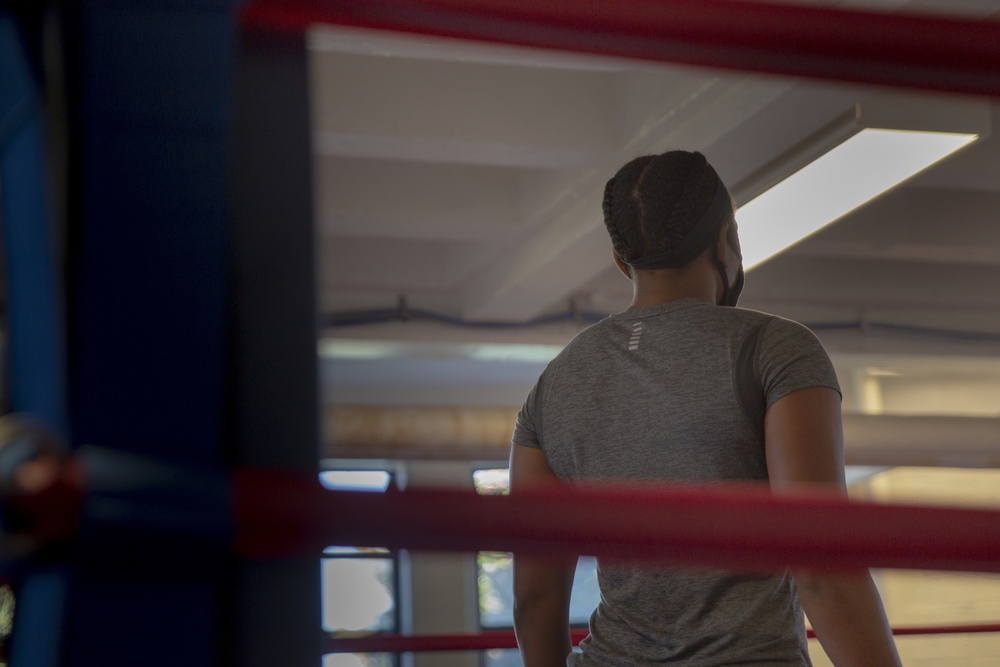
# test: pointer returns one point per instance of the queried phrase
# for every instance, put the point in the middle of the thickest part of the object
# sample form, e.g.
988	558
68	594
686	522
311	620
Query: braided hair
654	201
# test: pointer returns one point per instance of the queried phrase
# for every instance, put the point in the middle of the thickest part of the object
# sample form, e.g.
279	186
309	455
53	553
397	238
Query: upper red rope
897	49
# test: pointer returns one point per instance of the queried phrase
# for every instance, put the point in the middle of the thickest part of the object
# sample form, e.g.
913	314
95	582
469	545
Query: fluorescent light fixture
355	480
855	474
354	551
332	348
513	353
521	353
853	173
870	150
878	372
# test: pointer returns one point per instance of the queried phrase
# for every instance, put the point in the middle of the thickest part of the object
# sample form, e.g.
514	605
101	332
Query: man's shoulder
583	344
770	321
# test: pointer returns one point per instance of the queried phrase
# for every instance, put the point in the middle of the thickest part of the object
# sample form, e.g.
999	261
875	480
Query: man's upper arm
528	468
804	439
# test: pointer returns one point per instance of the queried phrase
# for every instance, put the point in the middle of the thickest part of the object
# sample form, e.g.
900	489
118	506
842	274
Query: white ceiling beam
377	425
406	200
543	271
357	41
391	266
881	345
488	114
915	224
572	247
922	440
438	149
796	279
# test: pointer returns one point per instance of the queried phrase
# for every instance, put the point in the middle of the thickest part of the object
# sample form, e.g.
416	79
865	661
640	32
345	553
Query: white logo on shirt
633	342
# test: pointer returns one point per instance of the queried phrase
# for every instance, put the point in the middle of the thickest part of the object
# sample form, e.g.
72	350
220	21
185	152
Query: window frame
395	557
475	467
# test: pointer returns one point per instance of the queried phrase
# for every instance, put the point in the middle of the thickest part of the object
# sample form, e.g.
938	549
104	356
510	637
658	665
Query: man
681	388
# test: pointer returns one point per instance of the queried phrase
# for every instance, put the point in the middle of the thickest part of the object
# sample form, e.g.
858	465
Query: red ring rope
732	526
505	639
910	50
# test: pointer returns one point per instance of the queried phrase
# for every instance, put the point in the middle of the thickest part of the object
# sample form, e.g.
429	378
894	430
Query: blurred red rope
505	639
731	526
897	49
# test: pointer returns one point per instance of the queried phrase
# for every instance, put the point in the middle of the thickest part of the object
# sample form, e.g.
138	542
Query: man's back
677	392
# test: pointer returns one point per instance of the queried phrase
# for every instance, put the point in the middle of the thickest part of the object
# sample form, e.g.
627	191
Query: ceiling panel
468	178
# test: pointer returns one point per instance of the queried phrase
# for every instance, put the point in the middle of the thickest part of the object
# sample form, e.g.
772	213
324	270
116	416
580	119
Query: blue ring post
34	345
190	325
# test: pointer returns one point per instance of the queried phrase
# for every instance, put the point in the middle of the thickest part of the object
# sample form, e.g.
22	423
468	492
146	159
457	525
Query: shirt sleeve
790	357
527	428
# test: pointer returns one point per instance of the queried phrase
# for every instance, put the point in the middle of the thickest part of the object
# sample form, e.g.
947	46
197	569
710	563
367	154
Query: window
366	578
360	584
496	585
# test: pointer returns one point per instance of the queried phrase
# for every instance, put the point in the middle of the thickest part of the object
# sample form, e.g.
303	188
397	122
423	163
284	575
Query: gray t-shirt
677	392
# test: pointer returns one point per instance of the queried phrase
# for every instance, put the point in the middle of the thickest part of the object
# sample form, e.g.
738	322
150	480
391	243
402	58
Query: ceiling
458	187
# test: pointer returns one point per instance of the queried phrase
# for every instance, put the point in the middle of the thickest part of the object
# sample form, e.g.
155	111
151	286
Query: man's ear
722	245
622	266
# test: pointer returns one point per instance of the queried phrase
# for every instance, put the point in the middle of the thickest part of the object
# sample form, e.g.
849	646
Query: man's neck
650	288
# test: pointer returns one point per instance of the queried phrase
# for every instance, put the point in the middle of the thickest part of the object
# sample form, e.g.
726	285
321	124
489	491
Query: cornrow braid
606	204
619	241
654	201
688	206
623	211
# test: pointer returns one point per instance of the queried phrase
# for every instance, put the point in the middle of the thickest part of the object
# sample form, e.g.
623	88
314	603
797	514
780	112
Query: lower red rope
505	639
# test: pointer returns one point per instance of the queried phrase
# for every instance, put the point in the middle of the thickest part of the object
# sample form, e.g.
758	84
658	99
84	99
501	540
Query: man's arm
541	586
804	442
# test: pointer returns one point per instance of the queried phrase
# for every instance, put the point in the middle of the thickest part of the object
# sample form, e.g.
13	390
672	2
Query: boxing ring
229	515
738	527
